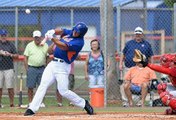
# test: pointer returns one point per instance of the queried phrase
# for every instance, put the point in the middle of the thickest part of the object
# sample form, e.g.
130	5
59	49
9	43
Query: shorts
96	81
7	76
135	89
34	76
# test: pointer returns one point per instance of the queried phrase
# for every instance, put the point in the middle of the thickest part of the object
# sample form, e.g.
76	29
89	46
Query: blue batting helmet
81	28
3	32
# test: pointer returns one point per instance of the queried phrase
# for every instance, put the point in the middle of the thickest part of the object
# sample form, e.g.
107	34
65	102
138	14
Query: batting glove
48	36
51	31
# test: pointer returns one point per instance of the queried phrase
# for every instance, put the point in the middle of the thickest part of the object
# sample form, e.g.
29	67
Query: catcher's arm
159	68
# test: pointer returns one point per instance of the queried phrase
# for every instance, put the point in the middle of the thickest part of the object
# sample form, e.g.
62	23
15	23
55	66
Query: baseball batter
65	53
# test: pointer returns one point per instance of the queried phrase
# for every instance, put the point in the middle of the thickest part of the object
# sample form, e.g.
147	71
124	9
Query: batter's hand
52	32
48	36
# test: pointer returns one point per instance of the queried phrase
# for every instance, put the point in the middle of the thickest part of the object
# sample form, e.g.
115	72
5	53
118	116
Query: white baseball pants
56	70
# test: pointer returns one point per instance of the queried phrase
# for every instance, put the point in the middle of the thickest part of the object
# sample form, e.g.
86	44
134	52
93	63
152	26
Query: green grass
51	107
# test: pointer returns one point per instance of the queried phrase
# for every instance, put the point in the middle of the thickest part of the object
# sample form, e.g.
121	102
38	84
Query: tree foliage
170	3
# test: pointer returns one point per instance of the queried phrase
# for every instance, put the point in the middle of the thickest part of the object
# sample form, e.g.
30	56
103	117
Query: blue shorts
34	75
135	89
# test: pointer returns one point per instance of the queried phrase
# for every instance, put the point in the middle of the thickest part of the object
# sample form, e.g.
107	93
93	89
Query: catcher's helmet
166	60
81	28
3	32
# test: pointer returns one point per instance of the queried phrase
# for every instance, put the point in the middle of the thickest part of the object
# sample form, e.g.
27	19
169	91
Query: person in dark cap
7	53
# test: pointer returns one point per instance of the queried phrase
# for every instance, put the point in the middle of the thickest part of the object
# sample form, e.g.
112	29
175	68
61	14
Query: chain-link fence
158	25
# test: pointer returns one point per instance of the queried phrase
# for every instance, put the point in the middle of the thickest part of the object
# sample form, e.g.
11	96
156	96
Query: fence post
16	45
174	27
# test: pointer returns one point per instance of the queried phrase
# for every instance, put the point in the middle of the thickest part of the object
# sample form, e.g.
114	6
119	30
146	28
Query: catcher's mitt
140	58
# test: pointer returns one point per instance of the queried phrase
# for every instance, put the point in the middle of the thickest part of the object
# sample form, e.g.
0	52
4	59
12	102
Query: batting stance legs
57	70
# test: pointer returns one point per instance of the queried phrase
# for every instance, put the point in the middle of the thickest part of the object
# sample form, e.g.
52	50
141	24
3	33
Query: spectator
137	81
35	62
7	53
94	66
127	56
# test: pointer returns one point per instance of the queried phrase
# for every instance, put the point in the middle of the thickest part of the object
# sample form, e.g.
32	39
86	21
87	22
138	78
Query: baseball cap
37	33
138	30
3	32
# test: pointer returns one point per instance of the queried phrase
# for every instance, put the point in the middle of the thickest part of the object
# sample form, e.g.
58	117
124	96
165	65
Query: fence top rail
83	57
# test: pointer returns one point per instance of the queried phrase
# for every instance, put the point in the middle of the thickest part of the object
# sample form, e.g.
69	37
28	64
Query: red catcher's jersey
169	71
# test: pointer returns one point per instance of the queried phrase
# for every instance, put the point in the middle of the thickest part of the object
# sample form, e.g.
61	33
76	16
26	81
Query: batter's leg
47	79
62	82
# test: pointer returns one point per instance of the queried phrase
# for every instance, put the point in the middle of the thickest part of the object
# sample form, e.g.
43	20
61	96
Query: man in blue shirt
66	51
7	54
128	53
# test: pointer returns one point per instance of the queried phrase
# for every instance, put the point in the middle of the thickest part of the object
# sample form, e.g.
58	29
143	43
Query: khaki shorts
7	76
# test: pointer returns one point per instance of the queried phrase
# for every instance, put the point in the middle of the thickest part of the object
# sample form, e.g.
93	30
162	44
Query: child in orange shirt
137	81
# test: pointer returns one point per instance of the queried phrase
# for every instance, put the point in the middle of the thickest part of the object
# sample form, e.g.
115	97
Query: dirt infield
83	116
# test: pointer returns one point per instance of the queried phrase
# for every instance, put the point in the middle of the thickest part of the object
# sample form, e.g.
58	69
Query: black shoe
88	108
29	112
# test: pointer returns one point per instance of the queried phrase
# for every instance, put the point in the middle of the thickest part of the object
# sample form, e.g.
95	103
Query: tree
170	3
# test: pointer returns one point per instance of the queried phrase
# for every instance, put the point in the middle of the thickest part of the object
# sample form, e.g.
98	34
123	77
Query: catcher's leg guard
172	103
161	87
165	97
169	100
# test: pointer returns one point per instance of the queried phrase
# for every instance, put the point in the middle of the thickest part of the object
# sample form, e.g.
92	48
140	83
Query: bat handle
43	41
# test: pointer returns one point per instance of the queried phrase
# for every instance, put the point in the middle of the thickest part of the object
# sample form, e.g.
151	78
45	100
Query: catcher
167	91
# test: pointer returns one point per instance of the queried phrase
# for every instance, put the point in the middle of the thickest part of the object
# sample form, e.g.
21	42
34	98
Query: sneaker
12	105
139	103
88	108
125	104
24	106
42	105
71	104
59	104
29	112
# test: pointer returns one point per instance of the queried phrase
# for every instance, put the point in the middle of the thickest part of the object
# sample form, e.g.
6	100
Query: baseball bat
20	92
43	41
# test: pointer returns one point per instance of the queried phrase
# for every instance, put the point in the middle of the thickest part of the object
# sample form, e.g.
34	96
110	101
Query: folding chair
136	92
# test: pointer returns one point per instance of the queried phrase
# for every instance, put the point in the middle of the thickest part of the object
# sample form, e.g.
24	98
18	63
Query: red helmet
166	60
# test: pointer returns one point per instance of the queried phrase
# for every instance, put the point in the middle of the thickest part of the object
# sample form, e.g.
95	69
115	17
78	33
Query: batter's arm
58	31
60	44
159	68
51	48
